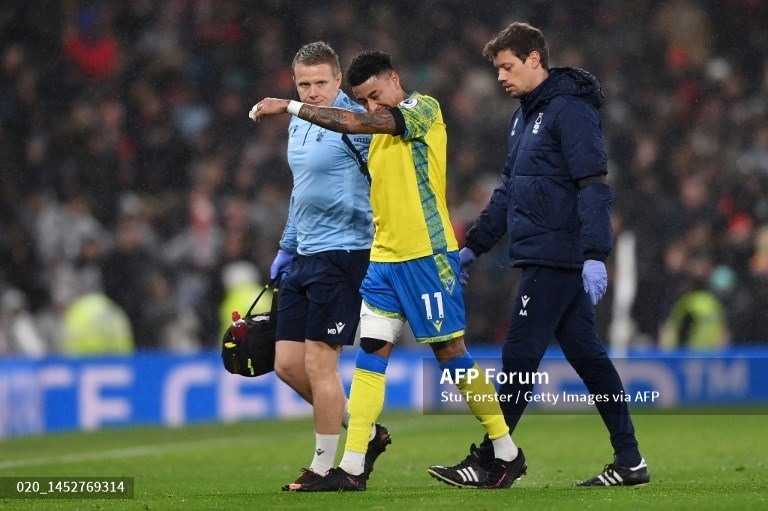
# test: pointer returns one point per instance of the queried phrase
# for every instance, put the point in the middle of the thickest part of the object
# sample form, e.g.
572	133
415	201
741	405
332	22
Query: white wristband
294	107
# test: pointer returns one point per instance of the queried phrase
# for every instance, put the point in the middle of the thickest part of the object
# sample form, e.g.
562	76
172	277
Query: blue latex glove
281	264
467	257
595	279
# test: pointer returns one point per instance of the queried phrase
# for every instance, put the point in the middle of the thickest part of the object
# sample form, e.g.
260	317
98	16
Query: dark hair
521	39
366	64
316	53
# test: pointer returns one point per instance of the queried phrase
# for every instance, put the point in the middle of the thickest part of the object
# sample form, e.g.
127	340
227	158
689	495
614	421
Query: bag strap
272	283
361	163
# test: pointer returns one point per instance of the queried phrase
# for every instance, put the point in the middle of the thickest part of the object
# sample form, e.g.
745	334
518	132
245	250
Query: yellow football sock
366	400
480	395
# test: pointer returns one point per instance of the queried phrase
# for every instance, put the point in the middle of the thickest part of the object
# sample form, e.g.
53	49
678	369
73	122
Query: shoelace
471	459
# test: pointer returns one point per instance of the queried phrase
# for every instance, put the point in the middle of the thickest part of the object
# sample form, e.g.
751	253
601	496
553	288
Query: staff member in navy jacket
554	204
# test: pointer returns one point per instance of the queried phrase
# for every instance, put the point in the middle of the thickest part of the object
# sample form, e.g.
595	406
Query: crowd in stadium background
129	167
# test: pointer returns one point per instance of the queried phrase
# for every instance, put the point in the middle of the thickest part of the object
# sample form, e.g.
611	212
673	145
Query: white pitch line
143	450
127	452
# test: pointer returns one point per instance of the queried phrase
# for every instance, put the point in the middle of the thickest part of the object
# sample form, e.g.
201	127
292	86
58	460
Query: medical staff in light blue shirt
330	203
323	257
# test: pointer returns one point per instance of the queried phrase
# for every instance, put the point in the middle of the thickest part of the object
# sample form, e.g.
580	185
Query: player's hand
595	279
268	106
281	265
467	257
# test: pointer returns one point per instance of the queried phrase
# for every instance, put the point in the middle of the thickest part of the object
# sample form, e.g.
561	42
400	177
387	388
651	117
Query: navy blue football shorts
320	298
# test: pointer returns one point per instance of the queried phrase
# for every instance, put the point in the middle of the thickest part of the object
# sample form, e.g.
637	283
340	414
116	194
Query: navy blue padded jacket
555	146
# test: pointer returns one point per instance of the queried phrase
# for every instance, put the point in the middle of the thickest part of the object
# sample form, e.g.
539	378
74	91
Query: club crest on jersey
409	102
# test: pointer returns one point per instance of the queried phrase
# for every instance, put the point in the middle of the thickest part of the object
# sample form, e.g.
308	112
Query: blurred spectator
95	325
19	333
193	254
697	321
91	44
164	324
242	284
126	271
20	266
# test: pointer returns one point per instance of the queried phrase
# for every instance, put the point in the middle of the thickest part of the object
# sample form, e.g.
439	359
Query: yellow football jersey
408	174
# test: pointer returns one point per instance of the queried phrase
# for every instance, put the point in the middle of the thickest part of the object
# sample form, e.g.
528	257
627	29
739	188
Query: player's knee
369	345
321	359
287	372
371	362
289	364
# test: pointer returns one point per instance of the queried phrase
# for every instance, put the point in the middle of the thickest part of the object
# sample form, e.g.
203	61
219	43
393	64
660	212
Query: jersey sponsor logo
409	102
320	135
537	123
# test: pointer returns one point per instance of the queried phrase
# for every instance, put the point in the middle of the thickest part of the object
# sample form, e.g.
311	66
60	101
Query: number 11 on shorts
428	304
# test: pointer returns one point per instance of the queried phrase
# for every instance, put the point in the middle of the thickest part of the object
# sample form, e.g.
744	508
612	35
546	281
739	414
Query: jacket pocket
531	205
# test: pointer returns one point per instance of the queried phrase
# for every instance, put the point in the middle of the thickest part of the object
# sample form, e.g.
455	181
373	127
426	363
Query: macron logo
339	327
524	299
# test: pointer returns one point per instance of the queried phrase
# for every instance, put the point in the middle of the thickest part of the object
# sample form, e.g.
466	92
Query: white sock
325	453
504	448
345	416
353	462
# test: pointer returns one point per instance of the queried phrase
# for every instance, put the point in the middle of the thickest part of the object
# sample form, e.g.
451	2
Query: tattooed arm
334	119
346	121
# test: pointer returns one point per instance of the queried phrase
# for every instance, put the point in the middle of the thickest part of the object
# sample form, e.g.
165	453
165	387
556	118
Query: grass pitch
697	462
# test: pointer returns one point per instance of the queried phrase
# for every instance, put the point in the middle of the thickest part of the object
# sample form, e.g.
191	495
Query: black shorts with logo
320	298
